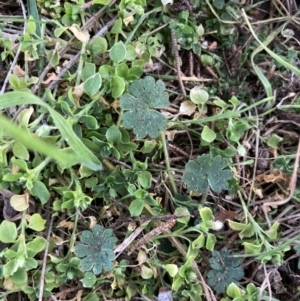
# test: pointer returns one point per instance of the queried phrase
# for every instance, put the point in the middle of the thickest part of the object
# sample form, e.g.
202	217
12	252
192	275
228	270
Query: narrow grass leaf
274	55
85	156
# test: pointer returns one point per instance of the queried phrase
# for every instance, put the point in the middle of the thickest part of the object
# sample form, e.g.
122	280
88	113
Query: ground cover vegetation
149	150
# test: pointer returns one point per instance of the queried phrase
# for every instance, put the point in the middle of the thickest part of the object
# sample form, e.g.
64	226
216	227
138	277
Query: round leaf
136	207
208	135
20	151
99	45
113	134
199	95
118	86
36	245
92	85
172	269
36	222
118	52
20	276
8	232
40	190
20	202
146	272
89	279
144	179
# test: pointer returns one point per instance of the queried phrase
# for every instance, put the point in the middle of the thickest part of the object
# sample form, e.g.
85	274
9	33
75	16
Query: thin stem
167	160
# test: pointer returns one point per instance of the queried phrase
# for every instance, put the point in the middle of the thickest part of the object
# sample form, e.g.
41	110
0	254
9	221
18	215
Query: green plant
207	172
96	249
18	260
187	32
144	97
225	269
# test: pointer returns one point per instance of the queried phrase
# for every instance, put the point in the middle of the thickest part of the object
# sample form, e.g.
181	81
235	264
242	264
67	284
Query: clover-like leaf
205	172
96	250
225	269
145	95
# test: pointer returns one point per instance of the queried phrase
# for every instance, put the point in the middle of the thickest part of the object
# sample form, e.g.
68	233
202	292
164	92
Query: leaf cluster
96	249
225	269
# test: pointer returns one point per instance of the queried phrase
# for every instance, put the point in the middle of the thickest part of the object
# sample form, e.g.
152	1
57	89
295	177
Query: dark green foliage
96	250
205	172
225	269
144	96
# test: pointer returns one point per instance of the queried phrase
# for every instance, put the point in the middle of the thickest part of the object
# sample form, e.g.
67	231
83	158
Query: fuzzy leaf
144	97
225	269
96	250
205	172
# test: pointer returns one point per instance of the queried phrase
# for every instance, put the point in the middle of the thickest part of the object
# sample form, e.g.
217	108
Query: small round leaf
36	222
208	135
118	52
8	232
199	95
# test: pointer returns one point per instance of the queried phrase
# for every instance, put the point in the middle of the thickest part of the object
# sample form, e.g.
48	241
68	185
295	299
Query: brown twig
44	265
156	231
177	61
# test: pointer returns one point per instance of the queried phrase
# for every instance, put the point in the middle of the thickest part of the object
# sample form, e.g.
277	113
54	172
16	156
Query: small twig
179	150
43	272
48	67
167	159
67	291
191	63
156	231
177	61
157	29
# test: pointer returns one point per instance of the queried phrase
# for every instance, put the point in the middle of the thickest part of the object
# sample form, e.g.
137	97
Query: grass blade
86	157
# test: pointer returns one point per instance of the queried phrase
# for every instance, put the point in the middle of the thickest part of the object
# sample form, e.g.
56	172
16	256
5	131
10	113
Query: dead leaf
82	36
142	257
50	77
18	71
58	241
116	104
65	224
223	215
20	202
93	221
168	115
77	93
258	192
187	108
171	134
105	104
128	19
274	176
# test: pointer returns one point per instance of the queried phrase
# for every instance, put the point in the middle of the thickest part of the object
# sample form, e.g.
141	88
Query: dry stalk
177	61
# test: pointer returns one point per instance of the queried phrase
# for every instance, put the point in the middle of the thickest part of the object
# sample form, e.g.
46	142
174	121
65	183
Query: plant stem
73	236
167	159
80	66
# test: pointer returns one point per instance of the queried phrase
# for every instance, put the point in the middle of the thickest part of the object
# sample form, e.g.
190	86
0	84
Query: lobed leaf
144	97
205	172
96	250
